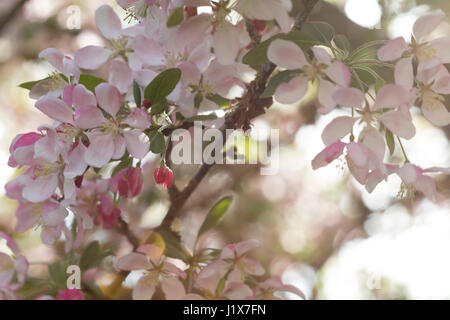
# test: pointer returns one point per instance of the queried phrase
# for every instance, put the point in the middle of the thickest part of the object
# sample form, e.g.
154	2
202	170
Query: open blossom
158	270
331	74
13	270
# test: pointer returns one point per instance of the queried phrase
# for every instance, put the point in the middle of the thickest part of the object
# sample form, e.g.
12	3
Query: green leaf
157	141
219	100
162	85
90	82
137	94
321	31
198	100
390	141
92	256
258	55
176	17
276	80
173	247
216	214
158	107
202	117
342	43
57	273
30	84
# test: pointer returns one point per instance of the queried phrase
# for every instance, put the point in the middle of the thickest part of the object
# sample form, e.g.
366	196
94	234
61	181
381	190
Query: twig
6	18
248	107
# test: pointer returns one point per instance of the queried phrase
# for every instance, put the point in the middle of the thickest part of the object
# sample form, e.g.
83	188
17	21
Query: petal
41	188
119	147
133	261
292	91
392	50
337	129
89	117
108	98
358	153
427	23
404	74
436	112
149	51
441	46
100	150
53	214
339	73
325	96
226	43
427	186
108	22
173	289
75	164
399	122
286	54
145	288
120	75
81	97
54	57
372	138
237	291
27	216
327	155
349	97
92	57
321	55
138	119
55	109
137	142
392	96
246	246
409	173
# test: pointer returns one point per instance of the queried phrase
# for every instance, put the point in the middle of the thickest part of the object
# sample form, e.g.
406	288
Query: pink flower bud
109	214
190	11
128	182
70	294
163	176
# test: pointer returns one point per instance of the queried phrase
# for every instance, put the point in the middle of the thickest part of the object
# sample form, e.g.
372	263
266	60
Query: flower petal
55	109
349	97
292	91
392	50
427	23
286	54
108	22
337	129
92	57
137	142
108	98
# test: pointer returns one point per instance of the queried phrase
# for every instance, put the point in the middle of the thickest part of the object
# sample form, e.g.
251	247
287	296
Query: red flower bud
79	181
128	182
163	176
147	104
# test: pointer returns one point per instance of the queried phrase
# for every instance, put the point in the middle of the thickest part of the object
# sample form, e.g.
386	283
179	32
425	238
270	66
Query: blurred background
320	231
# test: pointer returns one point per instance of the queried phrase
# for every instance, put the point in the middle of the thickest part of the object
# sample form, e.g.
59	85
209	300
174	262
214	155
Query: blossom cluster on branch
175	65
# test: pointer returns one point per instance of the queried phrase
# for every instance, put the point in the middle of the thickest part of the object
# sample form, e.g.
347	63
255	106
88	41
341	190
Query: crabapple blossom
163	176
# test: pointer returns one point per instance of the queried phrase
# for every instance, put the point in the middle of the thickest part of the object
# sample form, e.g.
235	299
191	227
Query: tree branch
250	106
6	18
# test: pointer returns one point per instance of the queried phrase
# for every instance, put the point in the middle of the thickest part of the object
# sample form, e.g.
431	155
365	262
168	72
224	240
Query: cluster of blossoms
230	276
87	163
175	65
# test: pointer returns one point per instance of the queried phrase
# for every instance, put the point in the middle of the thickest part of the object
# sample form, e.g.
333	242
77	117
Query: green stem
403	149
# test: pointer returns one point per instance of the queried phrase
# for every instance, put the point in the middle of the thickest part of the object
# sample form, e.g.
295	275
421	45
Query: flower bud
163	176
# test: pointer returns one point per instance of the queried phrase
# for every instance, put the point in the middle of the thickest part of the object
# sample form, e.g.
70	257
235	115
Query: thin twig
249	107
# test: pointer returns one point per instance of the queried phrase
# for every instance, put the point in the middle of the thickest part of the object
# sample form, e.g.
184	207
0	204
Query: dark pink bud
163	176
147	104
70	294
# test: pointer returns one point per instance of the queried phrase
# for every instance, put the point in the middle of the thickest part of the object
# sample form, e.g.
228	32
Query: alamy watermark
214	146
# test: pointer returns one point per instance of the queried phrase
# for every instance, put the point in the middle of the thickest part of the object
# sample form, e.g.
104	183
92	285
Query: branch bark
250	106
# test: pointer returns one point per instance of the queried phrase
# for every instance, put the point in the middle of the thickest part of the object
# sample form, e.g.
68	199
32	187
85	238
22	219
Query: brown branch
250	106
7	17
